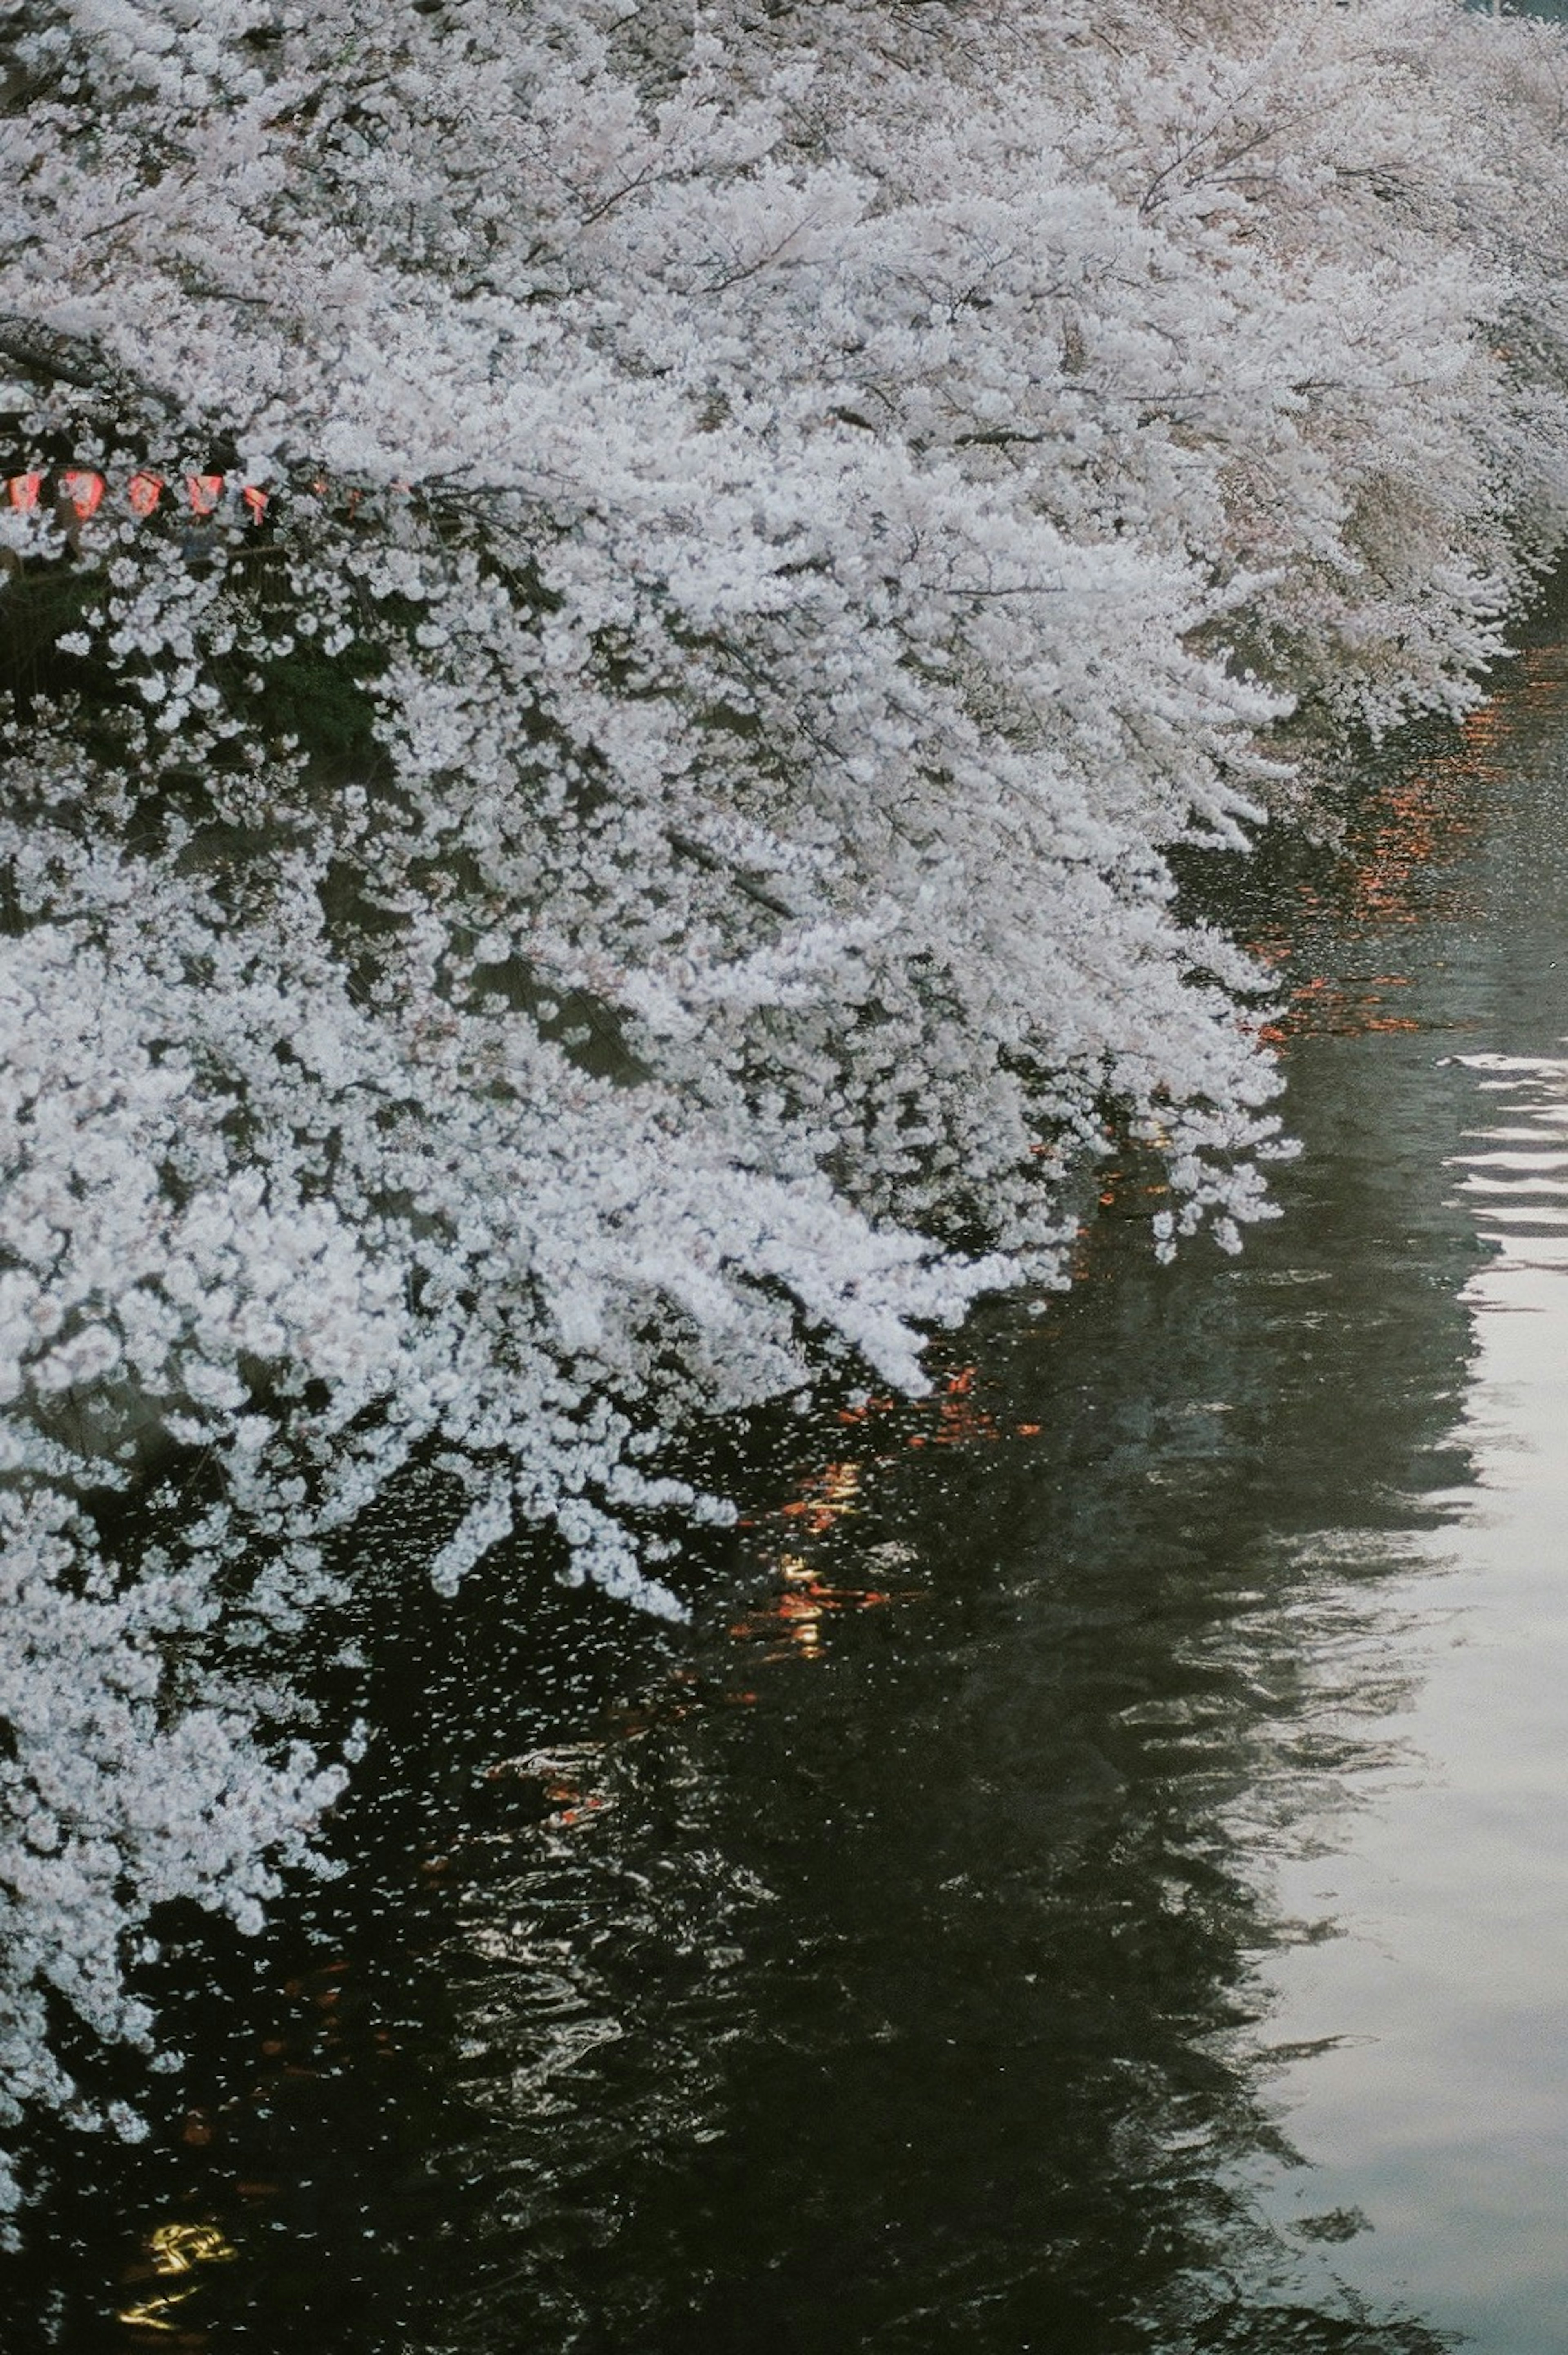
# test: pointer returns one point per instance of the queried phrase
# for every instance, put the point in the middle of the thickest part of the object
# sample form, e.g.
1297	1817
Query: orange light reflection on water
1400	873
795	1621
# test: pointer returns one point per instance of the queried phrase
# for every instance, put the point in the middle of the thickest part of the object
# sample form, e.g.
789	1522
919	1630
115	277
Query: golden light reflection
180	2248
827	1497
172	2251
792	1622
795	1621
809	1543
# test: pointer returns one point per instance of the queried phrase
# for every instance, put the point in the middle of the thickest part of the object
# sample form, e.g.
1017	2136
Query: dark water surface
1093	1877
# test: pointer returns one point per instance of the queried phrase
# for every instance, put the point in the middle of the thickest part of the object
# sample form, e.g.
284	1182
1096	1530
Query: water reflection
1515	1171
1452	2126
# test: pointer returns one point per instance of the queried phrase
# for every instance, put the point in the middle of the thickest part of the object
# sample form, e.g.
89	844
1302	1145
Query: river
1094	1875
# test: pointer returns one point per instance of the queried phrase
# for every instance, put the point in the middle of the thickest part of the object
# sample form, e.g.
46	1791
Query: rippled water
1093	1877
1442	2109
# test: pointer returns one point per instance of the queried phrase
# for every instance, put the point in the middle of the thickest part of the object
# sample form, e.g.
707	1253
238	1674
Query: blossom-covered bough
655	893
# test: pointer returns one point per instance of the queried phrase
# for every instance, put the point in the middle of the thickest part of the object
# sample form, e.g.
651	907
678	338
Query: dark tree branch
57	357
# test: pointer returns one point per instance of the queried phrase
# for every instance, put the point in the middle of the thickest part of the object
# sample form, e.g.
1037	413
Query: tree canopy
644	876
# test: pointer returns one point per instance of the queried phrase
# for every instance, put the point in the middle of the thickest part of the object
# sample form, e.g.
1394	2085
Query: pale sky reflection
1442	2109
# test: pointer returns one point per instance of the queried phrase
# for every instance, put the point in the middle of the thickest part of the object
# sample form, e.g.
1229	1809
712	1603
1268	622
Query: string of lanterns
83	493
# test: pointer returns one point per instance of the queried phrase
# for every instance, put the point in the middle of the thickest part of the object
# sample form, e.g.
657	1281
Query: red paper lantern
143	492
84	491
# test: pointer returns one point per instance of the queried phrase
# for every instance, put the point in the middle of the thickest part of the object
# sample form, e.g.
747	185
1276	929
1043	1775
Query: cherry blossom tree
642	880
